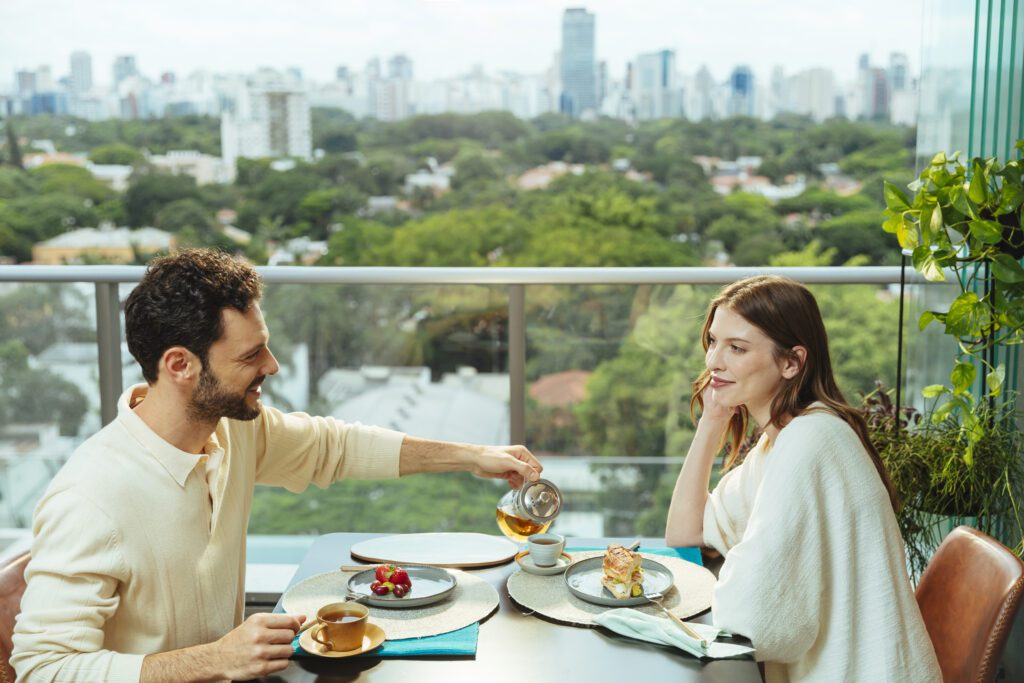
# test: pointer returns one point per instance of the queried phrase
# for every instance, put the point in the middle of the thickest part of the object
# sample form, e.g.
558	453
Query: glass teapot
529	509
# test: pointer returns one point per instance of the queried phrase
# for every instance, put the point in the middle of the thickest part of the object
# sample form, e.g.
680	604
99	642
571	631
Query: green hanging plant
971	228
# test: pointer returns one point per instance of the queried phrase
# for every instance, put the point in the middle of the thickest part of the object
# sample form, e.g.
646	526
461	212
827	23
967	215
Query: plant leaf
924	262
893	223
907	235
933	390
936	221
1005	268
962	377
894	197
968	316
958	198
989	232
994	380
939	159
978	189
926	318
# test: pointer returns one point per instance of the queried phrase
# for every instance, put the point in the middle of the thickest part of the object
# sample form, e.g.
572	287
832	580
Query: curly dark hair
179	303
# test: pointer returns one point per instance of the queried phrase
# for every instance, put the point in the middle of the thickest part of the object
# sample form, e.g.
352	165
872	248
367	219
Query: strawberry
384	572
400	578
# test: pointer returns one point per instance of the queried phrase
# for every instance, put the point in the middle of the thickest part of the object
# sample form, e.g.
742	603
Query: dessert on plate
623	575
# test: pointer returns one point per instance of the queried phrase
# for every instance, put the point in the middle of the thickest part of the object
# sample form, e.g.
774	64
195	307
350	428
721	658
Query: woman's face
744	369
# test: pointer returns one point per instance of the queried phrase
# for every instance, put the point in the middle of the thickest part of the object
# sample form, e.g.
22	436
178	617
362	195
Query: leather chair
12	586
969	595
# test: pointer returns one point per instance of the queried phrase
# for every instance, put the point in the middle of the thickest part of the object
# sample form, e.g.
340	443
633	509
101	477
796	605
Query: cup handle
315	631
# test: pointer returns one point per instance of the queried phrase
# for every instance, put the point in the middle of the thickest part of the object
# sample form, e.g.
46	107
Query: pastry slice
623	576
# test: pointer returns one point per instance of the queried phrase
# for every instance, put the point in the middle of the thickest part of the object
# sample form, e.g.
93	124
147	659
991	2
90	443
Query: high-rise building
812	92
699	103
579	67
26	82
899	72
741	92
271	120
656	93
81	72
876	95
400	68
124	67
44	79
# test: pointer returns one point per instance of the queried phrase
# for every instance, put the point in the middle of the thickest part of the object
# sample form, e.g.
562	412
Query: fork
656	598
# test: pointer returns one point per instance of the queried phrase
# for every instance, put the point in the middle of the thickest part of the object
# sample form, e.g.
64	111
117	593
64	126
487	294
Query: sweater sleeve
73	589
726	511
771	584
296	450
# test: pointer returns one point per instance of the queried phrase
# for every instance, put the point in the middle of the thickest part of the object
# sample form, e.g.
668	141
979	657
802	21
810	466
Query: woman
814	570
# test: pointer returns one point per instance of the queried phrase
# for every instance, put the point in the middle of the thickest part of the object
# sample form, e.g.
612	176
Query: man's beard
211	401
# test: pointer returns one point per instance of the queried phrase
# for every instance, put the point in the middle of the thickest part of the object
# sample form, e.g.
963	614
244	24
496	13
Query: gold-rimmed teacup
341	626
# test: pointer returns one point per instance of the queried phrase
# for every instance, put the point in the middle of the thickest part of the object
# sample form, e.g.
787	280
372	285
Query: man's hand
261	645
515	464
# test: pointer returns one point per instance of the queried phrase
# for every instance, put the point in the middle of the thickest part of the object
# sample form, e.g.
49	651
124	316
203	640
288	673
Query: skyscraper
655	91
741	92
272	120
81	72
899	71
400	68
579	68
124	67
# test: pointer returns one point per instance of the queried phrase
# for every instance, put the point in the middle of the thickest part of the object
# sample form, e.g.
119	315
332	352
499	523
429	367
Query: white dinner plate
448	549
429	585
584	581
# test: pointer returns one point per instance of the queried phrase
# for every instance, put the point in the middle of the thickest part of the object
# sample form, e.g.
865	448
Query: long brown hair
788	314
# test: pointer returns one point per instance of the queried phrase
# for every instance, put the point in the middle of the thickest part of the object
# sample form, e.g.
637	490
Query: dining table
513	643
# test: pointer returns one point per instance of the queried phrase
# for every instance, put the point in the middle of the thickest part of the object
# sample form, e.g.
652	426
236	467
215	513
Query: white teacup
545	549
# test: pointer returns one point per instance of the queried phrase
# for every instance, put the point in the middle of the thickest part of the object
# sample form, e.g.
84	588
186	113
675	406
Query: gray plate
429	585
584	581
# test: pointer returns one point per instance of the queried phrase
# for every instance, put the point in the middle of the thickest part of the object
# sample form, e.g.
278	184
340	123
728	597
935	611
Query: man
138	557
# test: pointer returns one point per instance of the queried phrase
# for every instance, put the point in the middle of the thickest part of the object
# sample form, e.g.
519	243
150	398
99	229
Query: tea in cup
341	626
545	549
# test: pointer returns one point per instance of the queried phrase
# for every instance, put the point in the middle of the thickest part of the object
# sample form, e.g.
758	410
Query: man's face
236	365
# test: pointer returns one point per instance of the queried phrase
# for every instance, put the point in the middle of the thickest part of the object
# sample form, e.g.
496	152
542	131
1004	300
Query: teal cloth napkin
688	554
663	631
460	642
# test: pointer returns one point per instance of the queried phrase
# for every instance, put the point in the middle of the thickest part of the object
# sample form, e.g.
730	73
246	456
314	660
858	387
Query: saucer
372	639
526	562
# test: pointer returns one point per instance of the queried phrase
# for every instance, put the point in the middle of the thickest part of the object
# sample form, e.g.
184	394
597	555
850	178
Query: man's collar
177	462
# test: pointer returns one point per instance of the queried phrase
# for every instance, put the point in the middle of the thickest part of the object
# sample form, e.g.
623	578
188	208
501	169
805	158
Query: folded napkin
664	631
458	642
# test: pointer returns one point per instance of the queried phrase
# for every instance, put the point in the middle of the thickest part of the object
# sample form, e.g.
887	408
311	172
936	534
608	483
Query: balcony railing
607	492
108	306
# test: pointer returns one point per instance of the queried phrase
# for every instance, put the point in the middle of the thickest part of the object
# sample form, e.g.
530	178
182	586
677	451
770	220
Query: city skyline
444	38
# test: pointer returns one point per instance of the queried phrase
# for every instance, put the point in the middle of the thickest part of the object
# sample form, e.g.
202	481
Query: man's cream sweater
129	558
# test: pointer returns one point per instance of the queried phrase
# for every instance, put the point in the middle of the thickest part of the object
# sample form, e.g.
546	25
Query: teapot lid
540	499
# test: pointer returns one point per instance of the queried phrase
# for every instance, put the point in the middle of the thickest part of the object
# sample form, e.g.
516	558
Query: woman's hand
714	411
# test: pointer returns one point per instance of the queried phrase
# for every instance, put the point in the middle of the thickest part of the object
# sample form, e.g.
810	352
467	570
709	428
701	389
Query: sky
449	37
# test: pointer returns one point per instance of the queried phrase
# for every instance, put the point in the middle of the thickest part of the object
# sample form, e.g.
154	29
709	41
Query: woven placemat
549	596
472	600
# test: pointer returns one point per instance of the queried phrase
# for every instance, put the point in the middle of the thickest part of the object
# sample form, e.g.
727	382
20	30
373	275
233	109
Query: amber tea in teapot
517	528
528	510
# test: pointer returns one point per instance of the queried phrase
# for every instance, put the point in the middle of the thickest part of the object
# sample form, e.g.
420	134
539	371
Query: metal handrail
879	275
108	318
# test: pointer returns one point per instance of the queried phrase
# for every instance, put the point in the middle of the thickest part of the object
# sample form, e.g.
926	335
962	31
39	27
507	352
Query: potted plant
967	226
937	487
